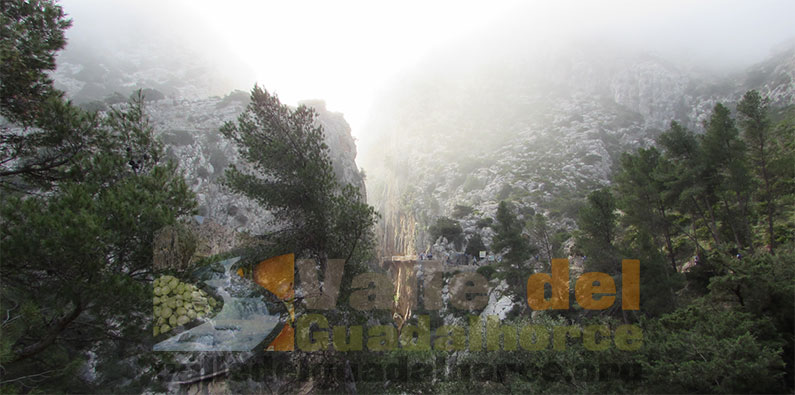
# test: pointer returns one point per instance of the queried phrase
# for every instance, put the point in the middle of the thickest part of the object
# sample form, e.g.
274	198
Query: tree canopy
81	197
509	237
289	172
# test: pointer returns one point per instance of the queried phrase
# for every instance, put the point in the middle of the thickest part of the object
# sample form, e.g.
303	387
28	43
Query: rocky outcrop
342	146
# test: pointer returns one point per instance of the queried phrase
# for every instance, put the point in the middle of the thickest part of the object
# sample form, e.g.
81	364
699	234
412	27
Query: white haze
348	52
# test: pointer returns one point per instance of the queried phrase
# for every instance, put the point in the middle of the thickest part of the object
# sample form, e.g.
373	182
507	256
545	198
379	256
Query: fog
348	53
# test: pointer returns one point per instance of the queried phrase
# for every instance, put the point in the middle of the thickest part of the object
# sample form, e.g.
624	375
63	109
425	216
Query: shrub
475	245
236	96
447	228
486	271
485	222
461	211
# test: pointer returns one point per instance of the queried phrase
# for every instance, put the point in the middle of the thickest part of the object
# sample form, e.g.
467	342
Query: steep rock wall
541	131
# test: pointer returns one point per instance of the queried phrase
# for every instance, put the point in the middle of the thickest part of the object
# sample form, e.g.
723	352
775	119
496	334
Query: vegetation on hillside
82	197
291	175
710	218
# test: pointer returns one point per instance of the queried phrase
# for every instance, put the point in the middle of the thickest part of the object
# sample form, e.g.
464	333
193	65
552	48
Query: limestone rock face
540	129
342	146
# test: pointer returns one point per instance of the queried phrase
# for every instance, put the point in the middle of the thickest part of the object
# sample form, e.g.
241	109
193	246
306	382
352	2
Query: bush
475	245
486	271
448	228
461	211
505	191
485	222
236	96
708	348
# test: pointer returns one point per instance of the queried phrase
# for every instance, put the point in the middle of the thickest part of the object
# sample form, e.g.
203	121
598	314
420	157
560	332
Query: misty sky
347	52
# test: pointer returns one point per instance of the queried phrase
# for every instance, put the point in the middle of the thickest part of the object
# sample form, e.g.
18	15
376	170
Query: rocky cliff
538	128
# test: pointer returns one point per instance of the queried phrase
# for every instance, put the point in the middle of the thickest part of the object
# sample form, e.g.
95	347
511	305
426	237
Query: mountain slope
539	127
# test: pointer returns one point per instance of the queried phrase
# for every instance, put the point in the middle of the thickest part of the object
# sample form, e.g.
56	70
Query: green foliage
641	186
504	192
558	239
598	217
762	285
32	31
486	271
353	222
597	222
541	236
150	94
706	348
80	257
726	170
461	211
448	228
40	157
659	282
475	245
709	180
509	236
81	196
771	158
485	222
472	182
290	173
236	96
716	204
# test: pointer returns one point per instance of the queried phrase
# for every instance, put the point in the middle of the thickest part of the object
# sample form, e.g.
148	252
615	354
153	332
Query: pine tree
32	31
77	262
448	228
540	232
289	173
45	133
475	245
727	171
81	197
641	184
509	236
757	134
597	222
